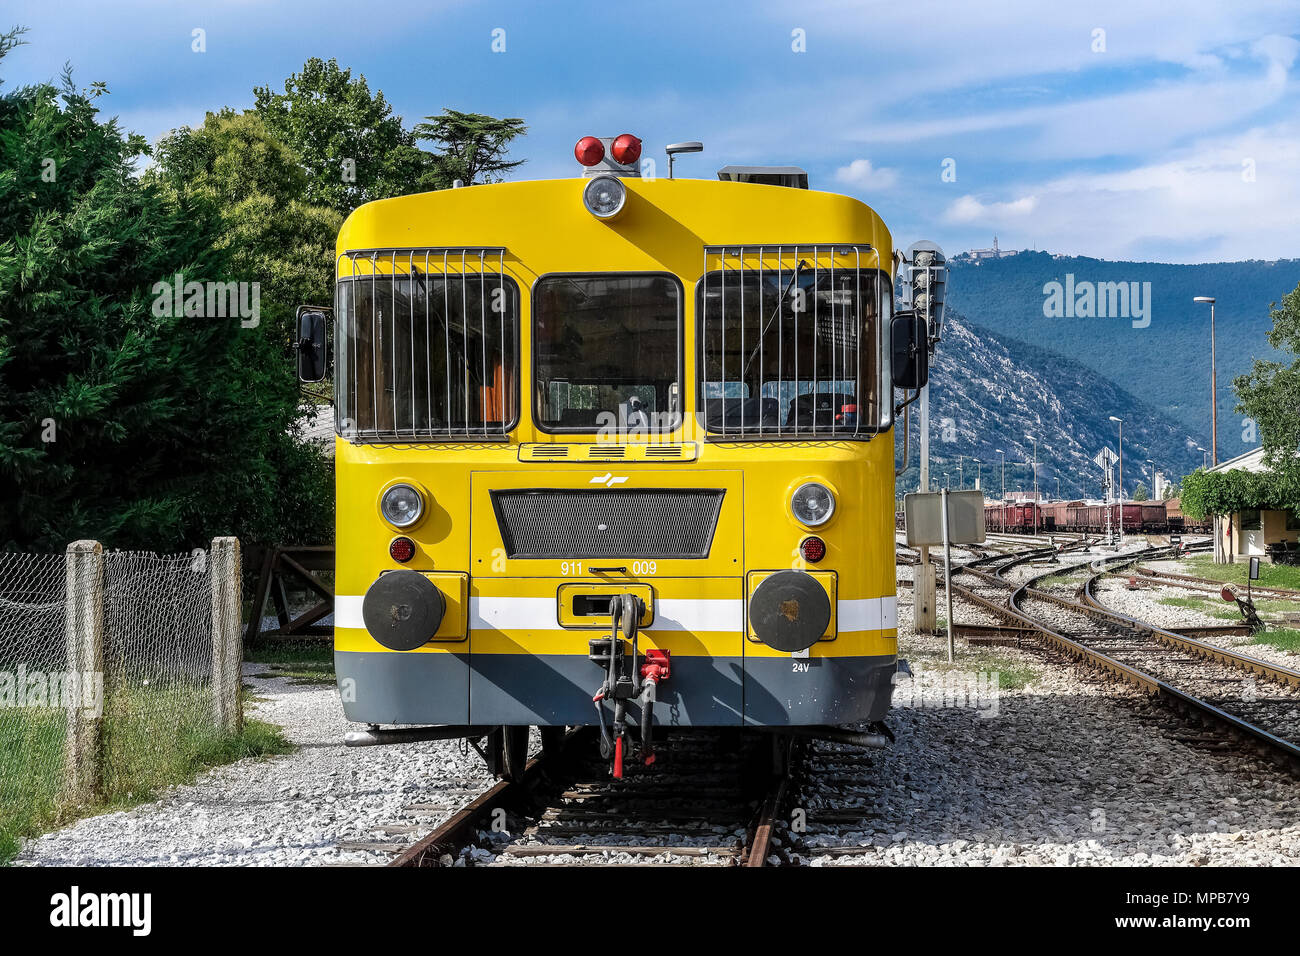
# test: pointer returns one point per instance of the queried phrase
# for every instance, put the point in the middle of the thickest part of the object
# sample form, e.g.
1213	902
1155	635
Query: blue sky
1172	136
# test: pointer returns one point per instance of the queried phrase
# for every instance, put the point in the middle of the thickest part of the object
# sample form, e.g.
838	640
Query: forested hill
991	392
1165	363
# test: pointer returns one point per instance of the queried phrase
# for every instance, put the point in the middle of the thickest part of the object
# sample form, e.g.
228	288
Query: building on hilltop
975	255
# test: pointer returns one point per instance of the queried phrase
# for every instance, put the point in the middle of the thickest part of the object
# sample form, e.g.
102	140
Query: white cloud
970	209
1129	123
926	47
1196	204
861	174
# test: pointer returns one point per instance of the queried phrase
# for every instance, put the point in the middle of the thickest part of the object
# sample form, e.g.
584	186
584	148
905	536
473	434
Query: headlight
401	505
812	503
604	196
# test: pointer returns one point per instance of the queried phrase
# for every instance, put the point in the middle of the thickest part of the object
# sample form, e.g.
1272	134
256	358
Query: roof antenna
674	148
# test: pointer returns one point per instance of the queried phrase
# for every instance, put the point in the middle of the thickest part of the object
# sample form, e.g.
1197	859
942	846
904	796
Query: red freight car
1056	515
1154	519
1180	522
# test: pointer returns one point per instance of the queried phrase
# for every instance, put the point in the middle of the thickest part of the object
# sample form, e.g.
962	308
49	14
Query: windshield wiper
744	372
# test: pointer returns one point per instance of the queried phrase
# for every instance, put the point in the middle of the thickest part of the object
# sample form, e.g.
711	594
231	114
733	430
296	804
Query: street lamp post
979	472
1214	388
1121	478
961	473
1035	467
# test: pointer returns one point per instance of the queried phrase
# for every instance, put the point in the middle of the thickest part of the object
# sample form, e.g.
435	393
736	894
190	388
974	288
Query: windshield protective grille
548	523
426	345
792	341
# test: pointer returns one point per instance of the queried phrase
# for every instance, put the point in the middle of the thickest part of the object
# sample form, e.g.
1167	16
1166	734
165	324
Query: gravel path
287	810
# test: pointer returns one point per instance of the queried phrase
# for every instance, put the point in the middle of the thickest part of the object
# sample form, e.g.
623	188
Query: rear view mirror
910	350
312	344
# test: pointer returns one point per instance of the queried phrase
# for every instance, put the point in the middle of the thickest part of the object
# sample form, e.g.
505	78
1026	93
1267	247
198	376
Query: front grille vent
609	523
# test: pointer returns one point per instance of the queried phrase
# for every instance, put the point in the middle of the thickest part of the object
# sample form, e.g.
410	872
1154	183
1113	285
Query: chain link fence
118	671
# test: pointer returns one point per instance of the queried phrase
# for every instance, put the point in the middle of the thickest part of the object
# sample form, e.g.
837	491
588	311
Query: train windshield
793	352
608	352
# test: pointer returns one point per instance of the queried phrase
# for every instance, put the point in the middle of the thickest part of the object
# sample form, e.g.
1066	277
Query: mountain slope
991	392
1165	364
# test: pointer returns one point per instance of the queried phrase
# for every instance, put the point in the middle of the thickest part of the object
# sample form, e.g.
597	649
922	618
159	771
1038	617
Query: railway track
1249	699
710	801
1243	699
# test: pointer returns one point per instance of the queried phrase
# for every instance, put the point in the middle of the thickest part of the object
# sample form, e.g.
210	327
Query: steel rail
1279	593
760	846
1150	684
460	829
1252	665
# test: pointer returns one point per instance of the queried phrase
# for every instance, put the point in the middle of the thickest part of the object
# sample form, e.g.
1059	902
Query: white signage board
923	517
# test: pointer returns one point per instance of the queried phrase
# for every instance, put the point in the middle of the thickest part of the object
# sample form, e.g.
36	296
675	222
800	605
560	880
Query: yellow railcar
615	438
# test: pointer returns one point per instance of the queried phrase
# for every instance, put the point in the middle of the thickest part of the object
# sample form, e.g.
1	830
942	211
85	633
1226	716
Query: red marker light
401	549
626	149
589	151
813	549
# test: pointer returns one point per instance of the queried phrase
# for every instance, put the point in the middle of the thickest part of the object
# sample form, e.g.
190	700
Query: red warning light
626	149
590	150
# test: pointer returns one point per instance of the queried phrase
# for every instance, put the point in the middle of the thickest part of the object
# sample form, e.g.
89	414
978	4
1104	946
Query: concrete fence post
83	631
227	652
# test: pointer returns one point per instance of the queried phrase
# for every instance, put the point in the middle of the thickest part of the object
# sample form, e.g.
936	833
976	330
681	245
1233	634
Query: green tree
352	146
473	146
250	183
253	185
1140	493
1270	392
120	419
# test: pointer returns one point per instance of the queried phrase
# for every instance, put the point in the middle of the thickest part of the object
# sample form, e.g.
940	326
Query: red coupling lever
656	667
618	757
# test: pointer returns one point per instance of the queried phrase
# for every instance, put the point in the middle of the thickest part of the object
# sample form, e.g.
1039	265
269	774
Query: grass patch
1283	640
300	674
304	661
1012	674
1214	609
1195	603
1270	575
289	651
1276	606
154	737
31	773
